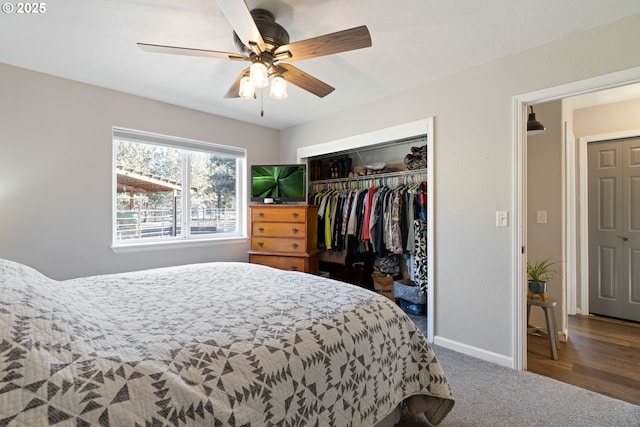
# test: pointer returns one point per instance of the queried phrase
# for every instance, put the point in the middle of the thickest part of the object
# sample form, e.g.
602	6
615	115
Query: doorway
572	246
615	158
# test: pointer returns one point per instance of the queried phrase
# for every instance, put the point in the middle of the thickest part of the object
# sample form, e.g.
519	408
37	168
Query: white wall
56	171
474	169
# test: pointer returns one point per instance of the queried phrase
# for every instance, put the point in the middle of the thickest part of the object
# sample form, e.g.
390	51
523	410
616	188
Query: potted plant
539	274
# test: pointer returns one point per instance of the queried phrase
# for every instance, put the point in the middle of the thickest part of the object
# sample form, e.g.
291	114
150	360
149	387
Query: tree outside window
152	198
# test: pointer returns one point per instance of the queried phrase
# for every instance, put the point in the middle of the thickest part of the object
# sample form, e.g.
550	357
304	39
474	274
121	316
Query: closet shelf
371	176
419	139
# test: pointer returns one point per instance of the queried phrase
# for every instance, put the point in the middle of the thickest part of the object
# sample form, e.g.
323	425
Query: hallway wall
545	166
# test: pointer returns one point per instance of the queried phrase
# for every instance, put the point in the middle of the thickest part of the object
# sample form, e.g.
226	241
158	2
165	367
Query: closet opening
375	213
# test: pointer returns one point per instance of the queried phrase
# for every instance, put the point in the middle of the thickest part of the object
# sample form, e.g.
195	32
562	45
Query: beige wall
545	165
610	118
56	171
474	169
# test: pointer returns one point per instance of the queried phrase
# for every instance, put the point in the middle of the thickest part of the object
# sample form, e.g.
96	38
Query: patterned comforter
212	344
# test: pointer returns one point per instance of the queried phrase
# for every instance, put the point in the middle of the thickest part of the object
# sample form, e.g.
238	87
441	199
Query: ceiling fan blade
234	90
239	16
341	41
303	80
176	50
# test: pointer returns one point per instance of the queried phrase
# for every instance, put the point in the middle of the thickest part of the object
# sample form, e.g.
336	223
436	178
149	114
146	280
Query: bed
212	344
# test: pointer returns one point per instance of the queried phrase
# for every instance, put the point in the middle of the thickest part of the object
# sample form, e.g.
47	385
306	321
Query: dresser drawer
278	214
278	244
275	229
281	262
285	237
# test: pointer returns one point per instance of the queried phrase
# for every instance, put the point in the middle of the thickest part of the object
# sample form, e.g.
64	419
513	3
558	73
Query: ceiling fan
265	43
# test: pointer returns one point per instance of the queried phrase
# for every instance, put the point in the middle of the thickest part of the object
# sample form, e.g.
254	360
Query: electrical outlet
502	219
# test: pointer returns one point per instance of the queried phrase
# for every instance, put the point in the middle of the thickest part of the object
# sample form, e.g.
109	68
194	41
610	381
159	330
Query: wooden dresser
285	237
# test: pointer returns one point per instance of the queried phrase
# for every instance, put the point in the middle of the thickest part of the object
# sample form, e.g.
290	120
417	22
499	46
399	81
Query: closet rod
371	176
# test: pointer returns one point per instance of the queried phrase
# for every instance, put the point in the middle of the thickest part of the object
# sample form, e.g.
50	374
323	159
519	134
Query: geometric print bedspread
214	344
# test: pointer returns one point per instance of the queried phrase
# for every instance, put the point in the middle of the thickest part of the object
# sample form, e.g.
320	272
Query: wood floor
602	355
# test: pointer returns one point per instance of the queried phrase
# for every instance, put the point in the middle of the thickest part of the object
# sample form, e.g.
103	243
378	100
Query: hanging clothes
420	271
378	220
420	242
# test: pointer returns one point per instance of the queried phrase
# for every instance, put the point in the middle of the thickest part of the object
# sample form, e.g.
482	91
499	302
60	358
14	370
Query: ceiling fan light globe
258	74
247	90
278	88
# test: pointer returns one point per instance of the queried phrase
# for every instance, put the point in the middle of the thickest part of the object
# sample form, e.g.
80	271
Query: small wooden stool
549	315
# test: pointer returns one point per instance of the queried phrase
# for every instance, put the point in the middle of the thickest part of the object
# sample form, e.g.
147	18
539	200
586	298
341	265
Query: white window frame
123	134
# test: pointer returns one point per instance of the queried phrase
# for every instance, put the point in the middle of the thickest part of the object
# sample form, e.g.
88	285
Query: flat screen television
279	183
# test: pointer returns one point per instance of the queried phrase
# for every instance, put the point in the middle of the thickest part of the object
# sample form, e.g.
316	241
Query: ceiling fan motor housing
273	34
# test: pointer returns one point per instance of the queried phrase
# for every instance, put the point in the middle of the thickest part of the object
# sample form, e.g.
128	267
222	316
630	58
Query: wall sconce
534	127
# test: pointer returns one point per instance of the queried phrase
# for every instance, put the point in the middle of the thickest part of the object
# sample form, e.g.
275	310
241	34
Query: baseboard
476	352
563	336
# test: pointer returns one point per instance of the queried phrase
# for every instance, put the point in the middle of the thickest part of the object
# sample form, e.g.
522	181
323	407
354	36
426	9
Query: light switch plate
541	217
502	219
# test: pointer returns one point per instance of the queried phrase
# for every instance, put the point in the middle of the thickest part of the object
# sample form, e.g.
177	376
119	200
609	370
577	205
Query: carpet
488	394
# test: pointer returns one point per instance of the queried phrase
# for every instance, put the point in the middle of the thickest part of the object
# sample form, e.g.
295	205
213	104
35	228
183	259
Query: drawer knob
261	229
260	244
295	214
294	245
295	230
294	268
260	214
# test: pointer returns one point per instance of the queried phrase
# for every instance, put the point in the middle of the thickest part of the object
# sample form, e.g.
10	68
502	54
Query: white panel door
614	228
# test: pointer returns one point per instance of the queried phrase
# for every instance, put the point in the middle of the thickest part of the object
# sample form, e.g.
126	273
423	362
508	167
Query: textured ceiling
414	41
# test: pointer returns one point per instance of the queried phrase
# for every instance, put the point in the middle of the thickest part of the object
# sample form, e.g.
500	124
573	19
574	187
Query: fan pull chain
261	102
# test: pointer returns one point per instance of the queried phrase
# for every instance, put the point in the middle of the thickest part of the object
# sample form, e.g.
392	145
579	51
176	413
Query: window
174	189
